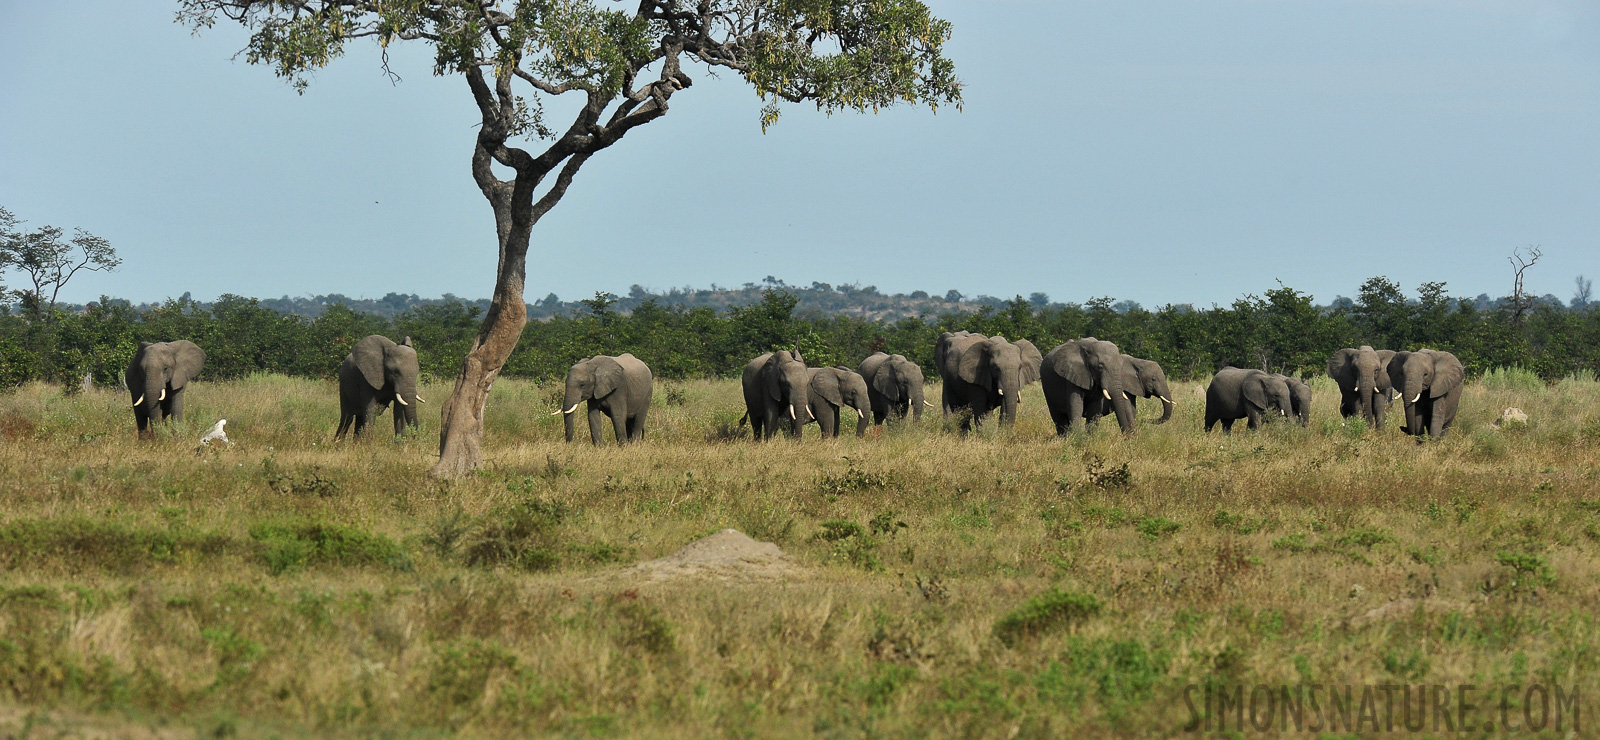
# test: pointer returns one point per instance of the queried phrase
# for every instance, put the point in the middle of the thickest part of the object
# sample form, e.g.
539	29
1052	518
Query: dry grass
288	584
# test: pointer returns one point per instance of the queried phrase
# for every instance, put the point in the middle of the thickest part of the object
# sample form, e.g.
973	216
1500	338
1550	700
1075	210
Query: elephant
894	385
777	390
619	387
1364	385
831	388
1299	398
1079	376
1140	379
982	373
1244	394
156	377
1430	385
378	372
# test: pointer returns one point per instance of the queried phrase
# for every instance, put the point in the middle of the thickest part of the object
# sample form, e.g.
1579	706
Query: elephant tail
744	419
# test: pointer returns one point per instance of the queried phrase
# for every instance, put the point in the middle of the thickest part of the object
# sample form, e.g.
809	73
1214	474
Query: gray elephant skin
983	373
156	378
830	390
1299	398
1430	385
777	393
894	386
1081	375
1244	394
1362	374
617	387
375	374
1140	379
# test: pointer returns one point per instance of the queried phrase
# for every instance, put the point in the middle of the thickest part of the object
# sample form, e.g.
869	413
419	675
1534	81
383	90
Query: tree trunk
461	425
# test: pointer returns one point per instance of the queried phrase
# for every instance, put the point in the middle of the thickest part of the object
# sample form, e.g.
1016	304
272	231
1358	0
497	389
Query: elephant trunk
1367	398
863	417
1166	410
915	404
569	407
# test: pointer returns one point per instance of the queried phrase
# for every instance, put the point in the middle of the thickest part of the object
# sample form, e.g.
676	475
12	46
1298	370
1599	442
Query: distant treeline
1279	330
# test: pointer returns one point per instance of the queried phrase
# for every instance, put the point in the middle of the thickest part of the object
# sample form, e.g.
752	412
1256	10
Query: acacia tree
625	65
48	261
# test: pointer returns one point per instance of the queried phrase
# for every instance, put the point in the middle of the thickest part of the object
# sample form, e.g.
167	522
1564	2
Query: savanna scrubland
1005	584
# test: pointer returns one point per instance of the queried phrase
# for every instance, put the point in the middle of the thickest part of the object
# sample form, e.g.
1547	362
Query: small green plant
1365	537
1530	570
1051	610
850	542
307	482
1104	476
523	535
1155	527
446	530
854	480
1295	543
291	544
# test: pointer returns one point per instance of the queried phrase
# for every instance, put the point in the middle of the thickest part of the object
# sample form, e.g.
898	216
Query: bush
1512	379
1046	612
290	545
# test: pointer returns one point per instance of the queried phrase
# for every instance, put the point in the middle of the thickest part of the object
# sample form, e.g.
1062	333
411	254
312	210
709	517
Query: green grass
1007	582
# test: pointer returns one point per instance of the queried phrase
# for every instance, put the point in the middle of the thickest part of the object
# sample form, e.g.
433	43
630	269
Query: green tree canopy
625	65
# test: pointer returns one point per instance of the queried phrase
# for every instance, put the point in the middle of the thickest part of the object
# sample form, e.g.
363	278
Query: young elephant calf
833	388
1244	394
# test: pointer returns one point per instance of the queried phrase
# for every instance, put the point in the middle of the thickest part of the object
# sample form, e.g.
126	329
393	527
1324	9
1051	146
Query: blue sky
1184	151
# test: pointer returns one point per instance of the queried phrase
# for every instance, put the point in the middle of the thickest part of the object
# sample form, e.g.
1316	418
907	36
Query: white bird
216	433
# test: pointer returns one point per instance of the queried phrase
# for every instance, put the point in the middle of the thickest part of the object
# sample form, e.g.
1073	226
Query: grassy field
1006	584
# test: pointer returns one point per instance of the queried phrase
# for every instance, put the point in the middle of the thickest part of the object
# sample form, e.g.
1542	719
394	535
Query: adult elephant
1362	374
832	388
156	377
1430	385
619	387
983	373
1236	394
1081	375
1299	398
376	373
777	391
1140	379
894	386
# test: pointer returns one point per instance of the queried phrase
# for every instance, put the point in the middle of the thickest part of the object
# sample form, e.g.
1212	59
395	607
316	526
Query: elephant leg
1074	408
619	421
596	425
345	419
1211	422
1227	426
1254	420
141	418
175	405
399	420
636	426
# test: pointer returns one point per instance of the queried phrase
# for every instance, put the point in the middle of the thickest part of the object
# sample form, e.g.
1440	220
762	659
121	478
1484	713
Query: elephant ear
607	376
1070	366
1255	390
1384	356
369	355
869	367
1338	363
825	383
884	383
1031	360
772	374
1447	373
974	364
187	362
1133	377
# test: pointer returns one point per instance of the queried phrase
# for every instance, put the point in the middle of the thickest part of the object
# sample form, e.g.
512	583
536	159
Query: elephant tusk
1418	398
1164	399
420	399
401	400
791	412
929	405
557	412
136	403
574	408
1002	391
163	395
1105	393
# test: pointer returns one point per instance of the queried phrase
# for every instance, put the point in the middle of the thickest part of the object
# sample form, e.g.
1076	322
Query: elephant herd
1083	380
